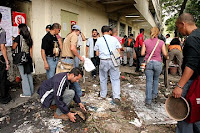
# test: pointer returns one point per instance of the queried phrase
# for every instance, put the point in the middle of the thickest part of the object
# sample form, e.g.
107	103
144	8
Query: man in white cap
69	52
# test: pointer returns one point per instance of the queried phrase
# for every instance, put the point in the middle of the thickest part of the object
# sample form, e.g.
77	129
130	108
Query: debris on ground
131	116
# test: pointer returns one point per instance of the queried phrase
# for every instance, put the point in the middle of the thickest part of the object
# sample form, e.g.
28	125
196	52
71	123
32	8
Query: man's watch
179	86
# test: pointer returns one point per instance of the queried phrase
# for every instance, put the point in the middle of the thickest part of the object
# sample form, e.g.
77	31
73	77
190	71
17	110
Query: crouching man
58	91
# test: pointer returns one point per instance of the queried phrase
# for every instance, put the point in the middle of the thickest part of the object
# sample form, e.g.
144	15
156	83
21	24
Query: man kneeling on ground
58	91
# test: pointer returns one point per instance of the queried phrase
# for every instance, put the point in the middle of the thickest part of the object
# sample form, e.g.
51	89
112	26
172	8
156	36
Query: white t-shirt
101	46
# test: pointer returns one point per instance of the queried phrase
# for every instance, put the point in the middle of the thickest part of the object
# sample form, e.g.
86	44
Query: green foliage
170	23
193	7
171	6
174	6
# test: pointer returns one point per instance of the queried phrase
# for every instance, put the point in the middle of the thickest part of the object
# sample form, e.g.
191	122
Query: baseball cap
76	27
48	26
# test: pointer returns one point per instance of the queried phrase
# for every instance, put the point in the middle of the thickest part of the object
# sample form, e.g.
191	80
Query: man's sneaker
6	100
21	95
63	116
116	101
53	107
148	105
102	98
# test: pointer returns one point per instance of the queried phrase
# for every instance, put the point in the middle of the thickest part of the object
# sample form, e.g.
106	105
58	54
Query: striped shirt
53	89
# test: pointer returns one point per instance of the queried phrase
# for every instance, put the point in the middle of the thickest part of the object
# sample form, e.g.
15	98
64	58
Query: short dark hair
110	29
48	26
55	26
0	16
141	30
94	30
168	35
131	34
186	17
125	36
105	28
76	71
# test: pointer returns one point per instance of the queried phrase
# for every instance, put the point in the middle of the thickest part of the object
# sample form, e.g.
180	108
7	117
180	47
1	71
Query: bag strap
21	43
153	51
107	45
19	48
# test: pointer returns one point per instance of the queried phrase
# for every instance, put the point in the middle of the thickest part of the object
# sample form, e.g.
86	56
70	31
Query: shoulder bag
19	56
193	98
115	56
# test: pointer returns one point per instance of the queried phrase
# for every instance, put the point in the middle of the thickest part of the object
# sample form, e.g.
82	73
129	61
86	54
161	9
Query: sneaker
6	100
116	101
63	116
148	105
21	95
53	107
102	98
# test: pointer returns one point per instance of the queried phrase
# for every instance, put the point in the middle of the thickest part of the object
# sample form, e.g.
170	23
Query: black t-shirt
48	44
175	41
94	40
191	53
17	40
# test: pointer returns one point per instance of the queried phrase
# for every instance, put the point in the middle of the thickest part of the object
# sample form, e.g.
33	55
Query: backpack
193	98
129	43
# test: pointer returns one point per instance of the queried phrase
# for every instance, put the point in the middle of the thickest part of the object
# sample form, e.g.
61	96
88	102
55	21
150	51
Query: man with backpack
128	49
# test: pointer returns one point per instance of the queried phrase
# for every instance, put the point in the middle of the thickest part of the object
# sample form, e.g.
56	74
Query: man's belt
67	57
106	59
49	55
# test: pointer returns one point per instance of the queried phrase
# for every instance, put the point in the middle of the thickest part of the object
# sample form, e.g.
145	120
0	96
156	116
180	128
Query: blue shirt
101	46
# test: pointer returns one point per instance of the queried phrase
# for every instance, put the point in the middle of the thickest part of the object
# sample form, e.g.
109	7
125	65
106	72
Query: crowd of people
61	62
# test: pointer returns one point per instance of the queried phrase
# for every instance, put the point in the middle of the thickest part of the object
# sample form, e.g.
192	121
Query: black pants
4	88
96	62
139	60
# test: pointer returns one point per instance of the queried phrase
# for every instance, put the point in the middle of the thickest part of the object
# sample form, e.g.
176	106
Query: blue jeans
75	85
105	66
77	88
76	60
52	66
183	126
139	60
152	72
27	82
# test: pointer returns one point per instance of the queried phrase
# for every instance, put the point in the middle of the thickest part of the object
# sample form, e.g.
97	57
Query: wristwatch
179	86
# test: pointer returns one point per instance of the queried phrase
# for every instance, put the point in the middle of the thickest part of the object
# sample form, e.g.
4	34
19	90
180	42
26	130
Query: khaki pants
179	56
63	67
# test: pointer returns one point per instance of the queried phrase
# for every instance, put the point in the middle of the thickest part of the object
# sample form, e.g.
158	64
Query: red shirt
139	40
119	39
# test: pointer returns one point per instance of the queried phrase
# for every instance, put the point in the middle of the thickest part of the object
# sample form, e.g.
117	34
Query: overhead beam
114	8
118	2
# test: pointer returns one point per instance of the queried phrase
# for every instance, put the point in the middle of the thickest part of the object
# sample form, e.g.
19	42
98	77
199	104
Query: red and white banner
18	18
73	22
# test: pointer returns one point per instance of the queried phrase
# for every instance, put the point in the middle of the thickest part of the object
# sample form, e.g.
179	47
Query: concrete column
41	16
